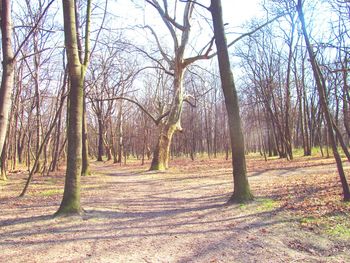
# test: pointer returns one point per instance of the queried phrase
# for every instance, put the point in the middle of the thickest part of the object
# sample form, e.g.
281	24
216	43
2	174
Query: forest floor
181	215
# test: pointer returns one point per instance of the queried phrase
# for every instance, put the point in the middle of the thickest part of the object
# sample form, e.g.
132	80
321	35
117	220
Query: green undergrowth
261	205
266	204
51	192
337	226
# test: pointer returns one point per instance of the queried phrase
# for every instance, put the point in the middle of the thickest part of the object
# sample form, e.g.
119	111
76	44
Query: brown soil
133	215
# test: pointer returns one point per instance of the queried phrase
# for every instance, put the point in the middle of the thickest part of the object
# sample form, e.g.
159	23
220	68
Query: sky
234	12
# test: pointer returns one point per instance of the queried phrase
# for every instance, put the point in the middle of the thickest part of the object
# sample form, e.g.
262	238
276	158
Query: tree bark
241	190
85	170
160	160
71	197
161	152
3	160
7	69
100	138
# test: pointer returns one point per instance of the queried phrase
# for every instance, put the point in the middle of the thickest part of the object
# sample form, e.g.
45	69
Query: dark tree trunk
85	169
241	191
100	138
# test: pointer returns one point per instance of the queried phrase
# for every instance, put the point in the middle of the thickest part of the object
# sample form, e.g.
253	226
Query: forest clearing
180	215
174	131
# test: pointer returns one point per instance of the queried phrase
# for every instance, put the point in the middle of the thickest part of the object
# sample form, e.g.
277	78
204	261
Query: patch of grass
333	225
242	205
51	192
268	204
338	226
340	230
308	220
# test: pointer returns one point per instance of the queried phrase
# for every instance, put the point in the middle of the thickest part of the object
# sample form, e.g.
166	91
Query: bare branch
255	30
164	55
33	28
167	22
206	55
155	120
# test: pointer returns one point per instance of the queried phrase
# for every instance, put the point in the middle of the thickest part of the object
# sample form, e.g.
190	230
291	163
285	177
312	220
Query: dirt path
179	216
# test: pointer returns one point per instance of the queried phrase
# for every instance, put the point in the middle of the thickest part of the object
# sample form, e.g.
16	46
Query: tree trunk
85	169
288	137
241	190
71	197
3	160
161	152
36	62
320	84
8	63
100	138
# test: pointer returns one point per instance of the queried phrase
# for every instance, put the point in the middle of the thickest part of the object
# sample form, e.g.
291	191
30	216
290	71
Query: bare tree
321	88
77	68
241	190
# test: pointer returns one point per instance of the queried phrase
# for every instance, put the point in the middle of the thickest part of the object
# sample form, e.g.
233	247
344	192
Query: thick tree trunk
241	190
71	197
8	63
161	152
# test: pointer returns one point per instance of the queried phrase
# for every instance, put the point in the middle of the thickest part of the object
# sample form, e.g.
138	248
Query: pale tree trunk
241	190
321	85
7	69
178	64
160	160
71	197
161	154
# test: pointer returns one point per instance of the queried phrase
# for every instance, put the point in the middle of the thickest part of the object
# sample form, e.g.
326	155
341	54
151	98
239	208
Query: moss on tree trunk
71	197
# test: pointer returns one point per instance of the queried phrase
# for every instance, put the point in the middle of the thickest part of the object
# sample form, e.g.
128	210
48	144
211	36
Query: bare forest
174	131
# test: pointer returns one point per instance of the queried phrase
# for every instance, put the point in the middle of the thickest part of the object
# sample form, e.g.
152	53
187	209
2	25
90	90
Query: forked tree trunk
241	191
161	153
71	197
